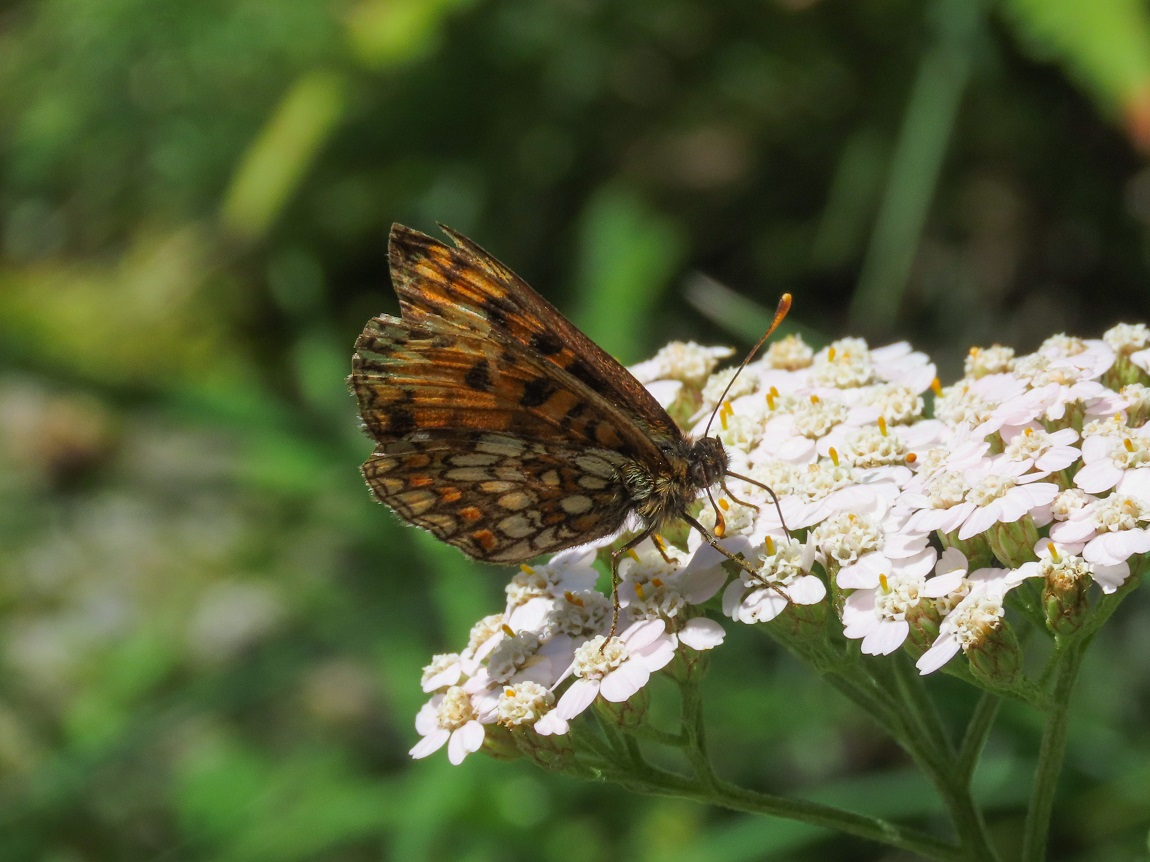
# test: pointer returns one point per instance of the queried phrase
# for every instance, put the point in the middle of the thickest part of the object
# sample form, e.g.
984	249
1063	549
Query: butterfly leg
714	543
742	564
630	545
657	541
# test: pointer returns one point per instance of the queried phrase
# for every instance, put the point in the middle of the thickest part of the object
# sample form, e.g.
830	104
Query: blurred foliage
210	640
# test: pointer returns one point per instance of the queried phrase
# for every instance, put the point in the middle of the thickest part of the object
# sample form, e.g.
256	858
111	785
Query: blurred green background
210	639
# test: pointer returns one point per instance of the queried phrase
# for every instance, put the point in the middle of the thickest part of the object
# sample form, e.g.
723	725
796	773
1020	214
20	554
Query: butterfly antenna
767	488
780	313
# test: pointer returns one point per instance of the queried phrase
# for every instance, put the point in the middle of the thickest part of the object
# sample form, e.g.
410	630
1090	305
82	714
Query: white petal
642	633
807	590
1110	549
656	655
427	719
665	391
886	638
577	698
1072	531
624	681
1100	476
762	606
864	573
702	633
940	653
1136	483
430	743
951	560
551	725
859	618
463	741
732	596
980	520
943	585
1110	578
920	564
1097	447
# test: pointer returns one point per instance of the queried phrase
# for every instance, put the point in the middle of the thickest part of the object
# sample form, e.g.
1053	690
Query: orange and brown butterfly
502	429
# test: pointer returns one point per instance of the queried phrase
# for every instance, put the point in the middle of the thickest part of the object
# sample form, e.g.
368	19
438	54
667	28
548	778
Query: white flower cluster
912	529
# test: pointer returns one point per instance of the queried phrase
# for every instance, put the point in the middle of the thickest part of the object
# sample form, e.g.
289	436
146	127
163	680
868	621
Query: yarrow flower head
862	496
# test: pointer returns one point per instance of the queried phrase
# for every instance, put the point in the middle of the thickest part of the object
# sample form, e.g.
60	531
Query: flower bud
996	659
550	752
1013	543
629	713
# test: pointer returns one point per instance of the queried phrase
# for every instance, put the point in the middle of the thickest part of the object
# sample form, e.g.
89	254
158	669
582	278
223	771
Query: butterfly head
708	462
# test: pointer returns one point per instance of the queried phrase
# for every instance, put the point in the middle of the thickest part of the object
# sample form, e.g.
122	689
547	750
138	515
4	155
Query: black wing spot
495	311
547	343
536	392
582	371
575	411
479	376
400	421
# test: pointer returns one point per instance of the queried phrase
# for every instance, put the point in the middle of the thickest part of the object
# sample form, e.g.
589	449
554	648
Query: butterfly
502	429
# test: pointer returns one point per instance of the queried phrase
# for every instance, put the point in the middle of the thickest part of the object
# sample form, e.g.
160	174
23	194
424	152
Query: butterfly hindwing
496	497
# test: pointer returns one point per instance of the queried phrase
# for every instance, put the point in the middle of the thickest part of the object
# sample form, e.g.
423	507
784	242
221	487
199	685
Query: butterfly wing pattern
499	426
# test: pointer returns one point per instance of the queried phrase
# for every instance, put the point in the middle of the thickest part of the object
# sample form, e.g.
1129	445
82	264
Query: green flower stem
1051	753
617	757
912	691
663	737
695	730
651	780
869	695
977	731
1107	605
920	732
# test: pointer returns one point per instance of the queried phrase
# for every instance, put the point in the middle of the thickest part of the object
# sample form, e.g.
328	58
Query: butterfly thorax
663	495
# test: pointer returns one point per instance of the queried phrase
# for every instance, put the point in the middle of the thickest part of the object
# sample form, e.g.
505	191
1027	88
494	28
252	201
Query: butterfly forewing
469	288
